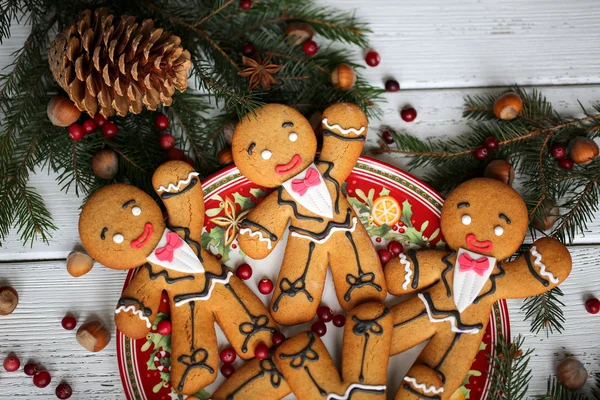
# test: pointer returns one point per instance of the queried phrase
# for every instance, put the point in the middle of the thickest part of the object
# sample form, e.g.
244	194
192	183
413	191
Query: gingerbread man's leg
355	267
195	355
300	282
411	325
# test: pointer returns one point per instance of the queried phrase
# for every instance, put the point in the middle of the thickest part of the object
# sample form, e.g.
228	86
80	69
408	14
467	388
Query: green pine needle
545	311
510	373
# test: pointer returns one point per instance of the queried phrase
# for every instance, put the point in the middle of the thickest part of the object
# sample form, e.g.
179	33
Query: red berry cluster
394	248
324	315
77	131
41	377
244	272
489	144
227	356
559	153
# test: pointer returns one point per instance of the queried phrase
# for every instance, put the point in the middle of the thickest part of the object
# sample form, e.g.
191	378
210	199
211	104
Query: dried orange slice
386	211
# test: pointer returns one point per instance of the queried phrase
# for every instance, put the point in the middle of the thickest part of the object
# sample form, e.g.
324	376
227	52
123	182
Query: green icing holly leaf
213	212
165	376
384	192
258	193
216	238
407	213
243	201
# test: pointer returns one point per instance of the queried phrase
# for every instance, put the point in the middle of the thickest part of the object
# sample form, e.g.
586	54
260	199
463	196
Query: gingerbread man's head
485	216
120	225
274	145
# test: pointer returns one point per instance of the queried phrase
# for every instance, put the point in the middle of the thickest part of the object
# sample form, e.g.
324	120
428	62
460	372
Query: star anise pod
260	72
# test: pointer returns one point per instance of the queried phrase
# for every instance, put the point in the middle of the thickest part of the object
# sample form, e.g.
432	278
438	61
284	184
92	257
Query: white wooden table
439	52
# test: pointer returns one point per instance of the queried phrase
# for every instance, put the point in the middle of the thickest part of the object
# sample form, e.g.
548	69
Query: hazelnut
79	263
9	298
299	32
571	373
508	106
93	336
105	164
548	218
225	157
61	111
582	150
500	170
343	77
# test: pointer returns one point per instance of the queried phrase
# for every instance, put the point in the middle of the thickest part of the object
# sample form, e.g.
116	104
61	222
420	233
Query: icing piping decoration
103	233
188	239
182	299
423	387
294	163
166	196
471	273
297	215
173	253
331	228
175	188
266	367
419	395
144	237
448	268
260	235
362	279
341	130
309	189
366	328
327	176
139	313
298	286
165	274
408	276
376	389
195	360
165	253
452	316
325	132
476	245
538	263
493	288
312	178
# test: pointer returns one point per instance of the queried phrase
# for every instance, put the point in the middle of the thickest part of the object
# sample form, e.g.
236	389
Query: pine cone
107	66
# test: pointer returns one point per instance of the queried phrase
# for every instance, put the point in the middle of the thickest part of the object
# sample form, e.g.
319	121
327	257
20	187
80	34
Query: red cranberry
227	370
558	151
372	58
319	328
30	369
175	154
408	114
64	391
395	247
161	122
246	4
42	379
228	355
392	85
592	305
480	153
109	129
339	320
387	137
89	126
324	313
190	161
278	338
248	49
310	47
384	256
164	327
99	119
491	143
166	141
565	163
76	132
261	351
11	363
244	272
69	322
265	286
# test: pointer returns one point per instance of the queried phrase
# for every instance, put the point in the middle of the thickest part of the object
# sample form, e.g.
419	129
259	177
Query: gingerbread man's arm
263	227
543	267
416	270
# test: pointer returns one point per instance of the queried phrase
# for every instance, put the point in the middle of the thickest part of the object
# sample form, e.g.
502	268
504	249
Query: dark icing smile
294	163
144	237
476	245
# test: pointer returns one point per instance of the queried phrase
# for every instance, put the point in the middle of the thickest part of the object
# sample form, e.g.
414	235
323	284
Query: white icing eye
293	137
118	238
498	230
466	219
266	154
136	211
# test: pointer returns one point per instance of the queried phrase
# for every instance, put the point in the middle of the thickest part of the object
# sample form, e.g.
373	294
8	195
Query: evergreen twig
510	374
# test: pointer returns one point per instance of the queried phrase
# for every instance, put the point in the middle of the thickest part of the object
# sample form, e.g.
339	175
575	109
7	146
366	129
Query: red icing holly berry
11	363
491	143
30	369
592	305
265	285
64	391
339	320
89	126
76	132
175	154
227	370
248	49
310	47
319	328
246	4
244	272
99	119
480	153
161	122
228	355
69	322
278	338
166	141
109	129
42	379
408	114
387	137
558	151
395	247
392	85
324	313
384	256
164	327
565	163
372	58
261	351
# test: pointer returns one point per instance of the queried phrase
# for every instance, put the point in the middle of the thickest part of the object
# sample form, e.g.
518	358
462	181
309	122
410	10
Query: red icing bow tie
166	253
468	264
312	178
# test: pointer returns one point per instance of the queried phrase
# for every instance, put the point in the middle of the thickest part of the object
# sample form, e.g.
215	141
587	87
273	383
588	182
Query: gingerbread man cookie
276	148
123	228
484	221
302	364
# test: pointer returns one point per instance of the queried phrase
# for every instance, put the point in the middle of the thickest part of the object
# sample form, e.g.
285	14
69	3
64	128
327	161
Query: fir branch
510	374
596	389
556	391
212	14
545	311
